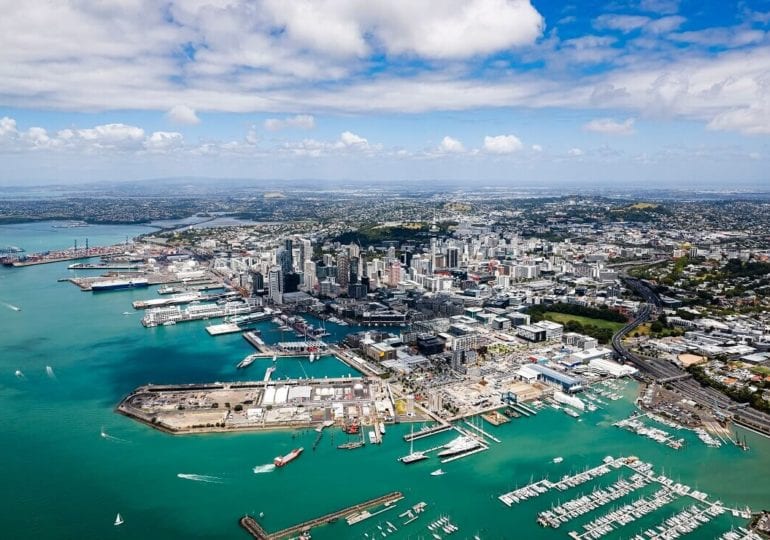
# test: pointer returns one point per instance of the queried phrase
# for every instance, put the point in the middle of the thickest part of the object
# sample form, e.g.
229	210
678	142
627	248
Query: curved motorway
678	378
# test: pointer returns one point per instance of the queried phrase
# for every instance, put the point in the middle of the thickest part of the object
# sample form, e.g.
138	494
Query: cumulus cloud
348	138
7	126
115	138
347	143
502	144
301	121
163	141
450	145
610	126
182	114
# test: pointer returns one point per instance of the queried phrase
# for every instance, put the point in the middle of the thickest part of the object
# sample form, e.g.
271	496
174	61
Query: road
684	384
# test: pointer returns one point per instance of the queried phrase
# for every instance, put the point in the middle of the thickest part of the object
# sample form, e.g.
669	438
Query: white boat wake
200	478
259	469
49	372
11	306
109	437
128	313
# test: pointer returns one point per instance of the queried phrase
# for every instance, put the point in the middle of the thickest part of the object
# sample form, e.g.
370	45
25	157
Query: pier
256	531
427	432
482	432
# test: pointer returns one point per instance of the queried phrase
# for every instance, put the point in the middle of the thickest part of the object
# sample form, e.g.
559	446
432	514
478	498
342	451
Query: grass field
565	317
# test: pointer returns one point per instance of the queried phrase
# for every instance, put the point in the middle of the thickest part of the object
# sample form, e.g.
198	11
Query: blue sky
662	92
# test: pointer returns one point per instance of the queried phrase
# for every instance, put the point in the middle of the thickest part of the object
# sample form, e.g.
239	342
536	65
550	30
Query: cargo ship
116	284
280	461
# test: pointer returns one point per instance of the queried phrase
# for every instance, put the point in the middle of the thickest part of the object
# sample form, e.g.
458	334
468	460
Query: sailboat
413	456
437	472
118	520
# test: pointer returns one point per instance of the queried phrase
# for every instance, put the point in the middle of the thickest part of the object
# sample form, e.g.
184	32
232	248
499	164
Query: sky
667	93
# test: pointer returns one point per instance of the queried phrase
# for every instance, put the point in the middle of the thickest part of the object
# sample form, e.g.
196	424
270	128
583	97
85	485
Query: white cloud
351	139
163	141
624	23
537	148
7	126
450	145
301	121
575	152
182	114
610	126
748	120
502	144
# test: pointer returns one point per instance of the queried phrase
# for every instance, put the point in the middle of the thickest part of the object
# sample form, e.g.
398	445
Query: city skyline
654	92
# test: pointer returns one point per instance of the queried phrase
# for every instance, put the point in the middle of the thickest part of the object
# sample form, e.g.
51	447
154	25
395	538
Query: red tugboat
280	461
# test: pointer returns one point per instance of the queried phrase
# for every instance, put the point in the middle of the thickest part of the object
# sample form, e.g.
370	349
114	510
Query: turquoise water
62	479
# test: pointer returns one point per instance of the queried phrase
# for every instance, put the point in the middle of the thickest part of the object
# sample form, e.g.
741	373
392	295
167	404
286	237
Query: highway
679	379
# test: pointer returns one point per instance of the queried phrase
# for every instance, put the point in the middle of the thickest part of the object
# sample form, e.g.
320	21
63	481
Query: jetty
256	531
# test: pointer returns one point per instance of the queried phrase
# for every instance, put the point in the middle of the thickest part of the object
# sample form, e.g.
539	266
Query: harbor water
71	463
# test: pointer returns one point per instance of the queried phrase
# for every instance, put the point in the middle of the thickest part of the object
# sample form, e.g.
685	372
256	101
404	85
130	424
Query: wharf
482	432
256	531
256	342
105	266
495	418
67	255
427	432
222	329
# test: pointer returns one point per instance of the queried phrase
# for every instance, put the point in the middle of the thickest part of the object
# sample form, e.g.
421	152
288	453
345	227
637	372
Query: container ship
116	284
280	461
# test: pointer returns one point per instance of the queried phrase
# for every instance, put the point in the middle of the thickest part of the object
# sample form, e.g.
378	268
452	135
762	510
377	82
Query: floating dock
256	531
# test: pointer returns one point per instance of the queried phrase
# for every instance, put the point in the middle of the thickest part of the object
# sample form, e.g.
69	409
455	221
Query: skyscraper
343	271
284	259
275	285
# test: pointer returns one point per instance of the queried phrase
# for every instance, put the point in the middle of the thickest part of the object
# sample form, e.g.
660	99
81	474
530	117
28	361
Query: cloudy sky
659	92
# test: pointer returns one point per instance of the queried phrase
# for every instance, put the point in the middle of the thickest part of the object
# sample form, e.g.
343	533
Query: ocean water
63	479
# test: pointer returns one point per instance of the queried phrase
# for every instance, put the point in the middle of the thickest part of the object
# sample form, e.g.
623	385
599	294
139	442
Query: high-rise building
310	279
257	281
275	285
305	250
290	282
453	257
394	274
283	259
343	271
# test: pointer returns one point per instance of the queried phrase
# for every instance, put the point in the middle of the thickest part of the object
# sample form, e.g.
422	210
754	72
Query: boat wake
128	313
200	478
259	469
109	437
11	306
49	372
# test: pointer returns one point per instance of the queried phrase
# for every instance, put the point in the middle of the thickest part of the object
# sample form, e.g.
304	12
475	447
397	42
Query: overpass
680	380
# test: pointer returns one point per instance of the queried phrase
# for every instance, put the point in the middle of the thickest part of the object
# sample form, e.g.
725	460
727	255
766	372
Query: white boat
437	472
19	374
246	362
412	456
558	459
312	356
118	520
275	357
459	445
